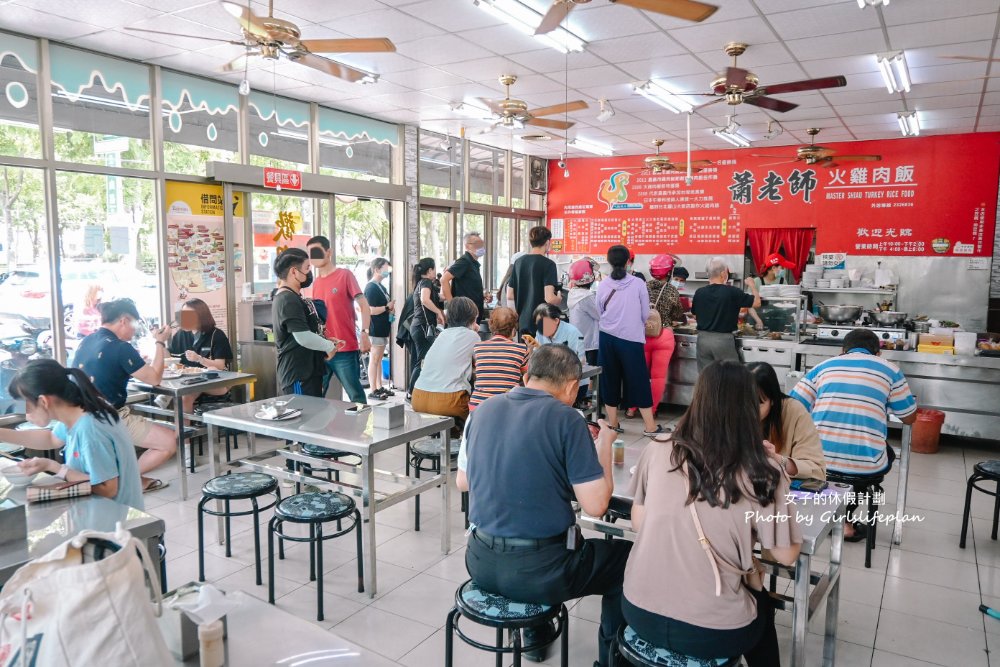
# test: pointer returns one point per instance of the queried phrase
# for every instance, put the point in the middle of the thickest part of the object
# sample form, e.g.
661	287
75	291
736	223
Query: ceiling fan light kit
909	125
895	74
527	20
592	147
656	93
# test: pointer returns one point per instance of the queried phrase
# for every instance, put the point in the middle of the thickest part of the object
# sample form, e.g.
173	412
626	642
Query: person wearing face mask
200	344
775	270
465	276
679	281
302	350
383	312
550	329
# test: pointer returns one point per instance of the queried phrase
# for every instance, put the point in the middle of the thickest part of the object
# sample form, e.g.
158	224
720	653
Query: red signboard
926	196
282	179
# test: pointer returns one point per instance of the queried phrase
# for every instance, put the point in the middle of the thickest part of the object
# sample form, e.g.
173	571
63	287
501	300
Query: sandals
631	413
659	434
153	485
860	533
616	429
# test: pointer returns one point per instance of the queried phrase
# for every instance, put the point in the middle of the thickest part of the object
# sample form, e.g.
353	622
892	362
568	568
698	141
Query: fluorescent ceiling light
908	123
872	3
894	72
731	134
527	21
665	98
607	111
592	147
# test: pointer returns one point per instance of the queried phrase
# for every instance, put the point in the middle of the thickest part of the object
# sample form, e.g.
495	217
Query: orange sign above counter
926	196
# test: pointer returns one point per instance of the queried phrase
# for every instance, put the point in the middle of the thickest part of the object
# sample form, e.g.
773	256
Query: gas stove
832	333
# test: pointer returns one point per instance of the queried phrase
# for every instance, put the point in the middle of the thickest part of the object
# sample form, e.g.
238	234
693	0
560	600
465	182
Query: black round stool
988	471
497	611
313	509
870	486
332	474
639	652
227	488
425	456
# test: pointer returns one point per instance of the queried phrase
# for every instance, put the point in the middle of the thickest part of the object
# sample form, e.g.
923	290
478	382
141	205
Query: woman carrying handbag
428	312
665	309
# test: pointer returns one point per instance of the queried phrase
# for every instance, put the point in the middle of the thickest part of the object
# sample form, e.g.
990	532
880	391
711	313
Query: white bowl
14	475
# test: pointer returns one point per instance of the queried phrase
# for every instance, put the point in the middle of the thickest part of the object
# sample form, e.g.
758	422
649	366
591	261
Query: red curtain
763	242
796	243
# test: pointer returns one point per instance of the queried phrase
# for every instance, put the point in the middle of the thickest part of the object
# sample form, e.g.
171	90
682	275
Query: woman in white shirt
445	380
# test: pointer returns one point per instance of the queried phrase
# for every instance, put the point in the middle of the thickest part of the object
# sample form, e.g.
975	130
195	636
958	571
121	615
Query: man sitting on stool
525	544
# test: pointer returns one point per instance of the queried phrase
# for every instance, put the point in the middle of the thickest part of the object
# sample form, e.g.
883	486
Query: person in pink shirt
339	290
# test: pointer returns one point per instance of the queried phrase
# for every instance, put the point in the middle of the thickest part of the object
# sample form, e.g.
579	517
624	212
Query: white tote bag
86	603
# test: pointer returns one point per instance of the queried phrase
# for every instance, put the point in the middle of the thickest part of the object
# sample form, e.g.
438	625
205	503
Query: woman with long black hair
98	447
700	503
428	312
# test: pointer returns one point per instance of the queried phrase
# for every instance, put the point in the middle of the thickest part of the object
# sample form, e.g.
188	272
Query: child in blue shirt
98	447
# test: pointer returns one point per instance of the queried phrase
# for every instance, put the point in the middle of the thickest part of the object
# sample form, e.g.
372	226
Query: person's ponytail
618	258
90	398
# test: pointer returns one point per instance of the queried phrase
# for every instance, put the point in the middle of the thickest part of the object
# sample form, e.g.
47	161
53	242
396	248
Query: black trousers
553	574
421	344
756	642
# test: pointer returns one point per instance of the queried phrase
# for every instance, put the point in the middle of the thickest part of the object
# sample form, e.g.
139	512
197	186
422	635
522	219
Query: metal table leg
904	474
215	469
179	424
446	490
833	595
368	522
800	610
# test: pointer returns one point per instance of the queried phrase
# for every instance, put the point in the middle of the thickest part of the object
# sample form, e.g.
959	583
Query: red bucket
926	431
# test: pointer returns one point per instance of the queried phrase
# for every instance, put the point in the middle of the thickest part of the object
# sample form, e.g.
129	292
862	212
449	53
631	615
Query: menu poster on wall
196	252
924	197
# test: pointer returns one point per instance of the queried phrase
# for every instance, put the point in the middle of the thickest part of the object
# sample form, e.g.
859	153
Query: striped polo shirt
849	397
499	363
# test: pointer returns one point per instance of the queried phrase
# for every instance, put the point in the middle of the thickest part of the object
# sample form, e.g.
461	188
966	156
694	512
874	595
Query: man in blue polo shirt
525	456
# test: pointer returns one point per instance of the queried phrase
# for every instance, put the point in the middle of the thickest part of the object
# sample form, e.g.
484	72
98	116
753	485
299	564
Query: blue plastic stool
496	611
637	651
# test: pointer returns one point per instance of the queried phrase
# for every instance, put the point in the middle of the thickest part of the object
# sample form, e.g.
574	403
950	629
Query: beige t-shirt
668	573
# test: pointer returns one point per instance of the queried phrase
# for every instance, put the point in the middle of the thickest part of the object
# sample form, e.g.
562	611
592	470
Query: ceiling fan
273	38
682	9
657	163
512	113
738	86
821	155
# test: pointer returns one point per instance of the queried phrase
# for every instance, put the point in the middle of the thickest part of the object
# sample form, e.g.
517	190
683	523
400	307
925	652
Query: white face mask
678	284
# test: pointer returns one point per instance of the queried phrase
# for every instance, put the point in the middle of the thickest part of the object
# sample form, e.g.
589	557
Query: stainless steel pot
839	314
888	318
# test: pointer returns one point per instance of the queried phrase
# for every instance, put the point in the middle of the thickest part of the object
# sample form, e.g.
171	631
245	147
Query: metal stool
496	611
425	456
869	485
313	509
232	437
982	471
332	474
237	486
639	652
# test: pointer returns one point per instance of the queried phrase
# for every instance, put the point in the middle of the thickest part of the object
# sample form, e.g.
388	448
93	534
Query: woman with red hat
775	270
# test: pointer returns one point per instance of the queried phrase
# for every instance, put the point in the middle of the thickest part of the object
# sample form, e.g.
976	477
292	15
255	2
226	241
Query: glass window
279	132
485	175
25	291
108	246
526	225
361	233
536	202
200	123
434	236
281	221
517	181
353	146
100	109
502	228
19	134
440	166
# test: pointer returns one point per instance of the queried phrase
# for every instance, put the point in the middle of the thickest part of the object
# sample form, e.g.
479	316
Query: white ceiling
450	51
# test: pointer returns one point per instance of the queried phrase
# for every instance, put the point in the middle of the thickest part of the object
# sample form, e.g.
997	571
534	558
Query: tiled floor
917	605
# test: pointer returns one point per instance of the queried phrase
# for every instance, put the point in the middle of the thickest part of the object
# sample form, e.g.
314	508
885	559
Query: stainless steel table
52	523
594	372
324	423
904	476
819	519
262	634
176	389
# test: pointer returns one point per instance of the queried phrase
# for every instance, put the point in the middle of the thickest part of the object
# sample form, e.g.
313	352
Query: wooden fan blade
554	17
682	9
807	84
548	122
328	66
234	65
829	163
492	105
699	163
365	45
772	164
558	108
623	168
186	36
858	158
777	157
695	168
736	77
249	21
770	103
972	58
